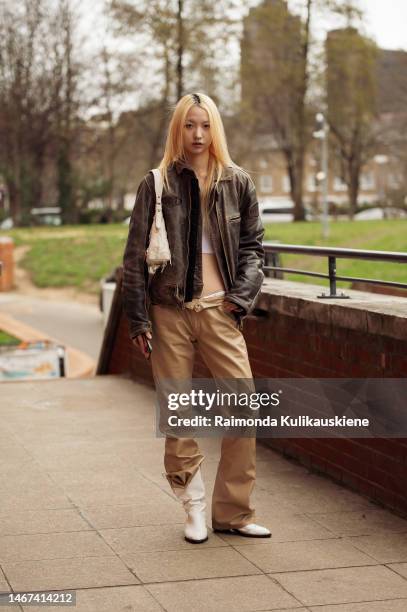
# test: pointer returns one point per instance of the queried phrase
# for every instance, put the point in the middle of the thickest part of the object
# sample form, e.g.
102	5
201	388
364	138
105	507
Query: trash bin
7	261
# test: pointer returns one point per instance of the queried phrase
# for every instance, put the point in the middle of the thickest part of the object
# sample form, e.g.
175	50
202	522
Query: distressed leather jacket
236	232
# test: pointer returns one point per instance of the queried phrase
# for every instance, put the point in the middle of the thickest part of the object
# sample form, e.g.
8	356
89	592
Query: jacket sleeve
135	270
249	276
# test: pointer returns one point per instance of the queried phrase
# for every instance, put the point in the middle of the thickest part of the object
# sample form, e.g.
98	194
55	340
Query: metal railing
273	268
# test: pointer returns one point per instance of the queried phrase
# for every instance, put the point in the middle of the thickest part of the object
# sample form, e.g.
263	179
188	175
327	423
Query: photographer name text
268	421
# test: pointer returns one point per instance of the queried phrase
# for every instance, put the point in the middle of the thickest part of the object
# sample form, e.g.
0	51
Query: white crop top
206	242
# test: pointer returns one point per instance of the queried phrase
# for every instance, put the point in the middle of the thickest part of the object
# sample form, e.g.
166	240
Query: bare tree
16	59
36	96
352	107
275	52
176	46
67	110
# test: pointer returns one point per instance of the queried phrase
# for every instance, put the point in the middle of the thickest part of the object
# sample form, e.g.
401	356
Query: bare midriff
211	277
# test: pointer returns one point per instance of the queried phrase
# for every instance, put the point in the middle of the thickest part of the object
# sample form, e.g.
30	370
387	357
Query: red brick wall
287	346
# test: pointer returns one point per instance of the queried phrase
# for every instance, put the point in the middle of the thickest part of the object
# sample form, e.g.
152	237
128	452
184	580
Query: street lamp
322	134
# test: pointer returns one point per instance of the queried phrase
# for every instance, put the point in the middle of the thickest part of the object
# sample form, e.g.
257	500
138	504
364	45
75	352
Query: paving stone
52	546
388	605
268	504
42	521
287	610
385	547
361	522
400	568
14	454
154	538
112	599
132	431
43	435
222	594
115	486
20	477
86	497
296	482
73	462
316	501
145	448
343	585
314	554
144	513
278	505
73	454
34	500
188	564
79	448
29	489
68	574
4	586
12	608
101	477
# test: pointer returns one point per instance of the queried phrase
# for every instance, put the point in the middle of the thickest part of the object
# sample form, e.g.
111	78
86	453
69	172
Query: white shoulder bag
158	252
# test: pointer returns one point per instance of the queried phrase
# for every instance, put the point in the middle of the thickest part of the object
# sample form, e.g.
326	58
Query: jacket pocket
233	218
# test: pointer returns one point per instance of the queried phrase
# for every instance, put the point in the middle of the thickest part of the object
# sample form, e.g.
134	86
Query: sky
387	21
384	20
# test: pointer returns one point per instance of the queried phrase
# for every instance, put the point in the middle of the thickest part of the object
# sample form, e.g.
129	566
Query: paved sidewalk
74	323
84	506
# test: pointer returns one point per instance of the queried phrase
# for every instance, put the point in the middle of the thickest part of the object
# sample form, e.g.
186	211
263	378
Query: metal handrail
272	250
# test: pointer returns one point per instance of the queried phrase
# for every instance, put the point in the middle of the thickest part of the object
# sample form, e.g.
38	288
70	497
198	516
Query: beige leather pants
176	333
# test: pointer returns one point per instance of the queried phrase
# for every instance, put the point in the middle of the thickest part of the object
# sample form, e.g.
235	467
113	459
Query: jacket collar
180	165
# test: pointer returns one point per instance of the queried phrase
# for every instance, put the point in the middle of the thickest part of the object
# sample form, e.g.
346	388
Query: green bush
104	215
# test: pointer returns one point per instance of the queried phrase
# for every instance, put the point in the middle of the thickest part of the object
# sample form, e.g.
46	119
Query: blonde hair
219	156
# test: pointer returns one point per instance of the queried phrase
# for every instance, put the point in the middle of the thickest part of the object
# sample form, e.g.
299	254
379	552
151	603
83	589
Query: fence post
332	280
273	259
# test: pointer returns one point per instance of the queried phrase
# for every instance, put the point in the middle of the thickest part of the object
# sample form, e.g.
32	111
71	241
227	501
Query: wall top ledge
372	313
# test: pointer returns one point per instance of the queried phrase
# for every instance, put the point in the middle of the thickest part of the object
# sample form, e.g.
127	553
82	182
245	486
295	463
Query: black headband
196	98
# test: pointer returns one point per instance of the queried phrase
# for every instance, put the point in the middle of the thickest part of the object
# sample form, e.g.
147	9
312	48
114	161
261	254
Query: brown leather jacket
237	235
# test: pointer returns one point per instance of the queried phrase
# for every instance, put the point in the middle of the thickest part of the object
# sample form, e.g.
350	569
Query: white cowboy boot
193	499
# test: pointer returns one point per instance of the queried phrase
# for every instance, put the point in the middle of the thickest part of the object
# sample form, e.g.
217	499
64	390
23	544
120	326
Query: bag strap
158	186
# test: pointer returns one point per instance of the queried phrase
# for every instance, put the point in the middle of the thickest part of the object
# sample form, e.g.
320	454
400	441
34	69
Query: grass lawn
7	340
78	256
71	256
382	235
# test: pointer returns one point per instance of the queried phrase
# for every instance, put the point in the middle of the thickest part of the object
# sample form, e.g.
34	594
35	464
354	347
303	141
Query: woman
199	299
